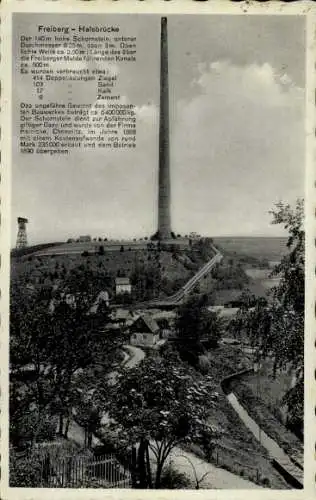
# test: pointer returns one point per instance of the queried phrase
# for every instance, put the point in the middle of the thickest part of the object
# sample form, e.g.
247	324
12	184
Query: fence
75	472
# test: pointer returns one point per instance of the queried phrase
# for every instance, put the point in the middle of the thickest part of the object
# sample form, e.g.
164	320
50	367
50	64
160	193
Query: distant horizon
39	242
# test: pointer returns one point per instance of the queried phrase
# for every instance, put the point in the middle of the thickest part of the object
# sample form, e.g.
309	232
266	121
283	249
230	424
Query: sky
237	141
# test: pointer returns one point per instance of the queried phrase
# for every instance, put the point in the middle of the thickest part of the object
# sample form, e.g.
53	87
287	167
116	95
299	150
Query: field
271	249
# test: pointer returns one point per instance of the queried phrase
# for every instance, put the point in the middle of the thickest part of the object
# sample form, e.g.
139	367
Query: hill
42	247
156	270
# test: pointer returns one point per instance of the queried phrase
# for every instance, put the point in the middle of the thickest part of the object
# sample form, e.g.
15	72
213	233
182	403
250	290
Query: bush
24	471
171	479
24	427
265	481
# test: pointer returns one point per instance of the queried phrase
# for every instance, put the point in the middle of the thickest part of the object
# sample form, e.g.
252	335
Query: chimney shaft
164	225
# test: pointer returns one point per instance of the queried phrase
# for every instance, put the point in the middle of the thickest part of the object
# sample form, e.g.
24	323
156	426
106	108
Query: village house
123	317
144	331
122	285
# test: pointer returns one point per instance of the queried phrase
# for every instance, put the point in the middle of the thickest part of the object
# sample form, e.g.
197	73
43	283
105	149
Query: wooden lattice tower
21	240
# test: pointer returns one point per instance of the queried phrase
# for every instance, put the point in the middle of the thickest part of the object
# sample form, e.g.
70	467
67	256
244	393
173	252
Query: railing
75	472
191	283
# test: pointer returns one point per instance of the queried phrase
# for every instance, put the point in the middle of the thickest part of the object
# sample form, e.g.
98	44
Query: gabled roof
146	323
124	314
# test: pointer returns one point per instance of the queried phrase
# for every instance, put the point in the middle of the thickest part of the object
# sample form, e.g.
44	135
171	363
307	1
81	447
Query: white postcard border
307	9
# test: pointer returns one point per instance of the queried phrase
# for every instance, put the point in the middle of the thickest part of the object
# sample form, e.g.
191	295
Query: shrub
171	479
265	481
24	471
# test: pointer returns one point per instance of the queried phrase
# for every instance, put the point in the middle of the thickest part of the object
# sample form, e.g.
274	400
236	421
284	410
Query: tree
255	323
196	326
291	290
47	347
287	325
30	390
146	280
279	326
101	250
158	406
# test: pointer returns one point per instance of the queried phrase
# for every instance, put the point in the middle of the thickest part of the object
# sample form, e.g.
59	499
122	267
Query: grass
273	388
262	411
113	262
236	450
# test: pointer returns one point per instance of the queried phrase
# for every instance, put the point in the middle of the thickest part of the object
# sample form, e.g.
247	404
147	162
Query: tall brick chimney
164	224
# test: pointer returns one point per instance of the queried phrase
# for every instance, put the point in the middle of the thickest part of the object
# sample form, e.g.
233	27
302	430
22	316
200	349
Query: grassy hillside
21	252
155	271
151	272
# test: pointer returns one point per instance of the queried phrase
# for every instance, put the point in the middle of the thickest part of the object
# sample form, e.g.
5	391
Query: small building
122	285
123	317
84	239
144	331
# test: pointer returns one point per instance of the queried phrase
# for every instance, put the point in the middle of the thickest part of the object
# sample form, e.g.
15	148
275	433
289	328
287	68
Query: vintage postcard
157	234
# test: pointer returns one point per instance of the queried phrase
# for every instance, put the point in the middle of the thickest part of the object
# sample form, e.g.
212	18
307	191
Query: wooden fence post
134	467
68	470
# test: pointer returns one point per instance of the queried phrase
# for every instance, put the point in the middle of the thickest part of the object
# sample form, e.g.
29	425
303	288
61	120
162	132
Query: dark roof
145	322
122	281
